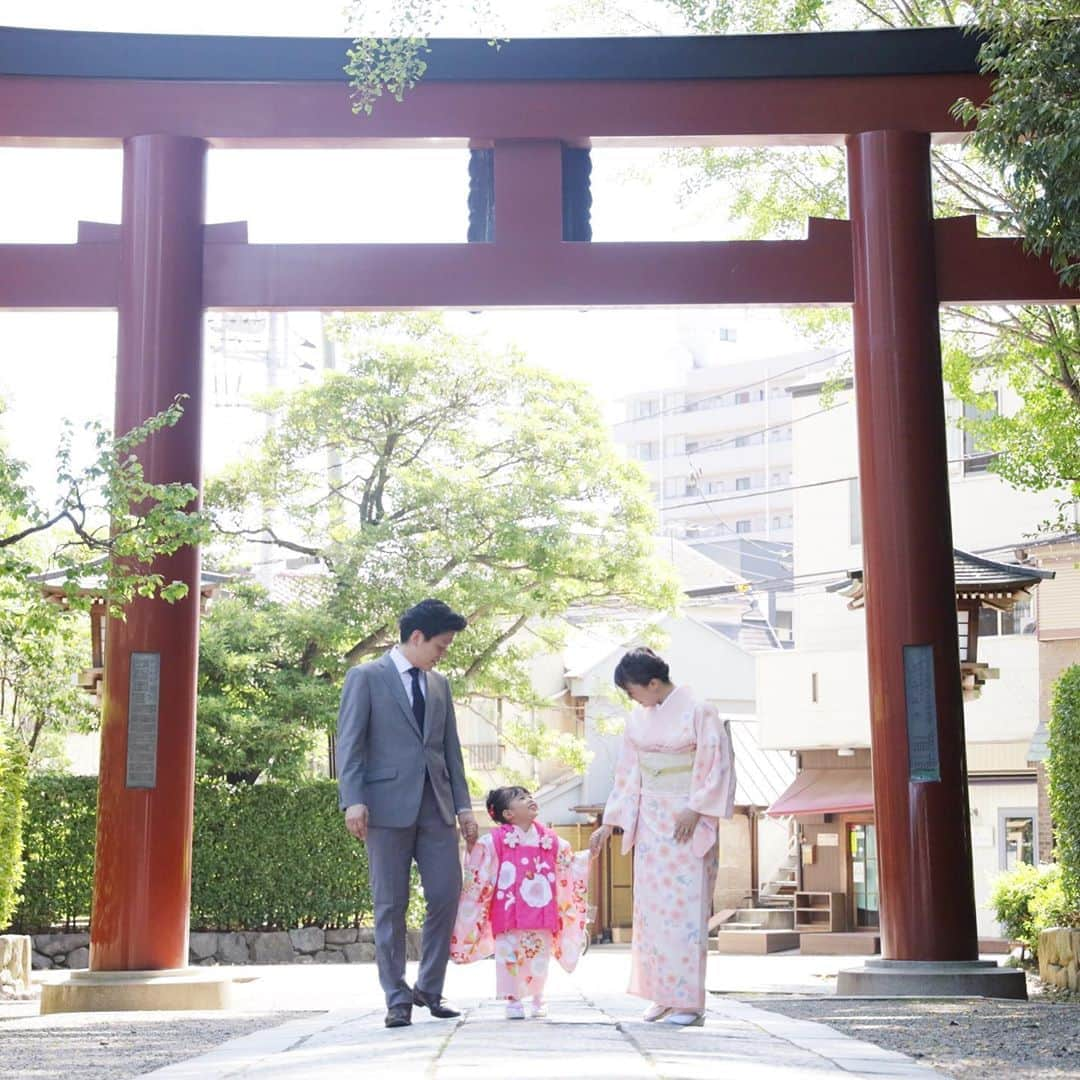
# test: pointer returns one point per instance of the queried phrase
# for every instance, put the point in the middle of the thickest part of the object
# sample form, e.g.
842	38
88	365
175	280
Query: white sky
61	364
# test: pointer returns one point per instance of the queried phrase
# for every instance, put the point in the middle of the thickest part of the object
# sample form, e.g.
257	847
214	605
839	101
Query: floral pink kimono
674	755
523	899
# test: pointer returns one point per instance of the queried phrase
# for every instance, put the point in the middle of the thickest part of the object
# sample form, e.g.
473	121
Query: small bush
12	788
1028	900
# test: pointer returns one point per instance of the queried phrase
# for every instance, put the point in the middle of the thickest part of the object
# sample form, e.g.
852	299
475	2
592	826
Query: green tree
106	513
106	522
42	649
429	467
263	697
1029	127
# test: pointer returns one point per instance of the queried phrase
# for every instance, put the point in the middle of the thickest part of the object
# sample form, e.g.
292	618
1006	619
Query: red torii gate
525	110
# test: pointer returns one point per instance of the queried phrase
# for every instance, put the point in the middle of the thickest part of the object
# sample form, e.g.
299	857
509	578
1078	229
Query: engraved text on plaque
142	732
923	764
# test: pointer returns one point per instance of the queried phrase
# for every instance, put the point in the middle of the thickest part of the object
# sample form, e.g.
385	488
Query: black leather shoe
399	1016
435	1005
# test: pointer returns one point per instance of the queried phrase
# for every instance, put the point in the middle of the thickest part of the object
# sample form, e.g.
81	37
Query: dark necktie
417	698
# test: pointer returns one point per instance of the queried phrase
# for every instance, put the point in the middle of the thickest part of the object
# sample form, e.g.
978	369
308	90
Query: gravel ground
972	1039
115	1046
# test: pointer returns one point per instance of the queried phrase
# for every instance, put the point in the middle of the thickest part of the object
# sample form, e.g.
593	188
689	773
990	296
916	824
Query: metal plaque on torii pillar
922	728
142	733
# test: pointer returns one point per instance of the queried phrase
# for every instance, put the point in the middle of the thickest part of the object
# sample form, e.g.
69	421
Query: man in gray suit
401	780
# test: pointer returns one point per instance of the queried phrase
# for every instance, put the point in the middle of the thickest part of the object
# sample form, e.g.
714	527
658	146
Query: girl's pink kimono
674	755
523	898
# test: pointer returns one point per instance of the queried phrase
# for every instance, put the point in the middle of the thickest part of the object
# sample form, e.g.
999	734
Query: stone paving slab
588	1035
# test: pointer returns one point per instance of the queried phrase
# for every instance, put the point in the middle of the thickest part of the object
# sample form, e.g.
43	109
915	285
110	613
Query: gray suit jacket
381	759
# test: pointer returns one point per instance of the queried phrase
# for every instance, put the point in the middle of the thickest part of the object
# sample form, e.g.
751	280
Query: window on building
754	439
674	487
855	511
725	333
743	526
976	457
1016	838
742	483
714	487
645	407
742	397
1018	621
675	445
777	521
780	434
646	451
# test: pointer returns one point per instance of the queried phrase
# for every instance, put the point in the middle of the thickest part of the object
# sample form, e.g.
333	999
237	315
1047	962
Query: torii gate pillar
929	935
142	871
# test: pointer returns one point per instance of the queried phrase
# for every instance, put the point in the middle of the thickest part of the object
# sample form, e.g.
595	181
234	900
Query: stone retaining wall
1059	958
309	945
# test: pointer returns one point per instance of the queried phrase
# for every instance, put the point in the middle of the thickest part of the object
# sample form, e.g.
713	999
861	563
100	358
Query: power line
695	405
761	492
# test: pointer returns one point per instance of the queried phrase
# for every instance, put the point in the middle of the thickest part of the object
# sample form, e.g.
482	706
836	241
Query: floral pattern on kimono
673	883
472	938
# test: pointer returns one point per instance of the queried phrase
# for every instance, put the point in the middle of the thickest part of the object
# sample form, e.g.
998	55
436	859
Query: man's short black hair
431	618
639	666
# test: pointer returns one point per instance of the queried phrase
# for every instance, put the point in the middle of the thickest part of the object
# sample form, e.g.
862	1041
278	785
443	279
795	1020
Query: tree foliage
107	514
429	467
262	697
1029	127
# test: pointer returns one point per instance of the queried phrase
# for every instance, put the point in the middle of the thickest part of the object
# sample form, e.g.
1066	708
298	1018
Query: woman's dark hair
431	618
638	666
499	799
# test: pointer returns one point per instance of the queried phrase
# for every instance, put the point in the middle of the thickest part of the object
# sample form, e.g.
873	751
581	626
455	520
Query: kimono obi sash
525	887
665	773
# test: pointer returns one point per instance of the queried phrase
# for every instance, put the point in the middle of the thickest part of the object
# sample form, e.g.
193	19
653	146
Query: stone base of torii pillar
180	989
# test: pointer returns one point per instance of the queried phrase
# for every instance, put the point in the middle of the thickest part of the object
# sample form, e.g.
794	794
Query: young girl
523	899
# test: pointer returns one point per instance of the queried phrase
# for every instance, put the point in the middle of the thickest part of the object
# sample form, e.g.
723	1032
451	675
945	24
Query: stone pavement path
587	1035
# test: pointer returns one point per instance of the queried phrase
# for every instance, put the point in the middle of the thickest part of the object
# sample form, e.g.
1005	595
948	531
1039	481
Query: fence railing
483	755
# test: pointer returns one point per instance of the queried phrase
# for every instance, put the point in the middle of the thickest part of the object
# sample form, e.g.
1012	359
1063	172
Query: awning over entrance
826	791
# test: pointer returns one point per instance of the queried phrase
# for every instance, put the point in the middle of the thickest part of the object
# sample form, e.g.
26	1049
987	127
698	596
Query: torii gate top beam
529	100
73	88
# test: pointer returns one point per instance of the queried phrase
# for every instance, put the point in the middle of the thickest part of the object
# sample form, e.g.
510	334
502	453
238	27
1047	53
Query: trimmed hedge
58	852
266	856
1063	773
275	856
12	787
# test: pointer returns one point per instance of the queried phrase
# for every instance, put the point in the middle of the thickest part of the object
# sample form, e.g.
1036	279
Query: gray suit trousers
391	851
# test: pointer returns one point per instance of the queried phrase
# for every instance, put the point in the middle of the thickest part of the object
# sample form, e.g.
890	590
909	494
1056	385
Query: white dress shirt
401	662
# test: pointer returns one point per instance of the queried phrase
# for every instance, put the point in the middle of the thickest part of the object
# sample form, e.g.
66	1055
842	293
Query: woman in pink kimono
522	899
674	778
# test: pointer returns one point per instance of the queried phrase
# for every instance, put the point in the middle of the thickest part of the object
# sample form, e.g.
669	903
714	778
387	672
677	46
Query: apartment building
717	445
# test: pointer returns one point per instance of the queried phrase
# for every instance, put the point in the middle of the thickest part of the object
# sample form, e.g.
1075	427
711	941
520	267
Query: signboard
142	728
828	839
858	873
923	764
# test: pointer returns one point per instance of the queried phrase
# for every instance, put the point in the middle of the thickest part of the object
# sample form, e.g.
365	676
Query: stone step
766	918
855	943
756	942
